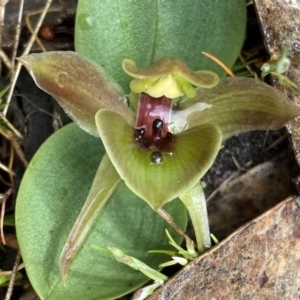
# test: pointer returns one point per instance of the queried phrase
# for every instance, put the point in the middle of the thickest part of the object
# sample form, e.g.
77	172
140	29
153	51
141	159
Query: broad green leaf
109	31
79	85
237	105
50	199
190	156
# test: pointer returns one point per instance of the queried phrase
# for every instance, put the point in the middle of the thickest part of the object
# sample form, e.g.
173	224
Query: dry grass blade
5	60
26	52
6	169
17	38
15	146
8	273
13	276
29	26
11	127
246	65
2	14
4	199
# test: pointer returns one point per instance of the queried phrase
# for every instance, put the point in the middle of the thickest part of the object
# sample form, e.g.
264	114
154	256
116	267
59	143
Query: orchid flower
165	139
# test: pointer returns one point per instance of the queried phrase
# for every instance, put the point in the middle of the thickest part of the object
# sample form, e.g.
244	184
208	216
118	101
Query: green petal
190	156
104	184
237	105
79	85
171	65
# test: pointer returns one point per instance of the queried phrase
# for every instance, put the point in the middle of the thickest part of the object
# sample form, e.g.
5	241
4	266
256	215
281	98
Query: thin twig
4	199
17	37
275	143
37	107
11	127
246	65
8	169
5	169
18	150
6	183
10	137
5	60
28	24
13	276
237	164
232	176
2	15
11	161
26	52
8	273
172	223
265	140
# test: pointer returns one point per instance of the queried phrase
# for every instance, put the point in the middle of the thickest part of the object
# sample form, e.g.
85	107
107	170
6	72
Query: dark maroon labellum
152	125
156	157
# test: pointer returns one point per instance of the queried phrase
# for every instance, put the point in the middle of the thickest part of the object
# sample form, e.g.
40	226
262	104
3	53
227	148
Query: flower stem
195	203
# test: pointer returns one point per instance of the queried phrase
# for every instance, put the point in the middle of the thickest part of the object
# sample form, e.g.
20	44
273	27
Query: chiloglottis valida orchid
163	137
